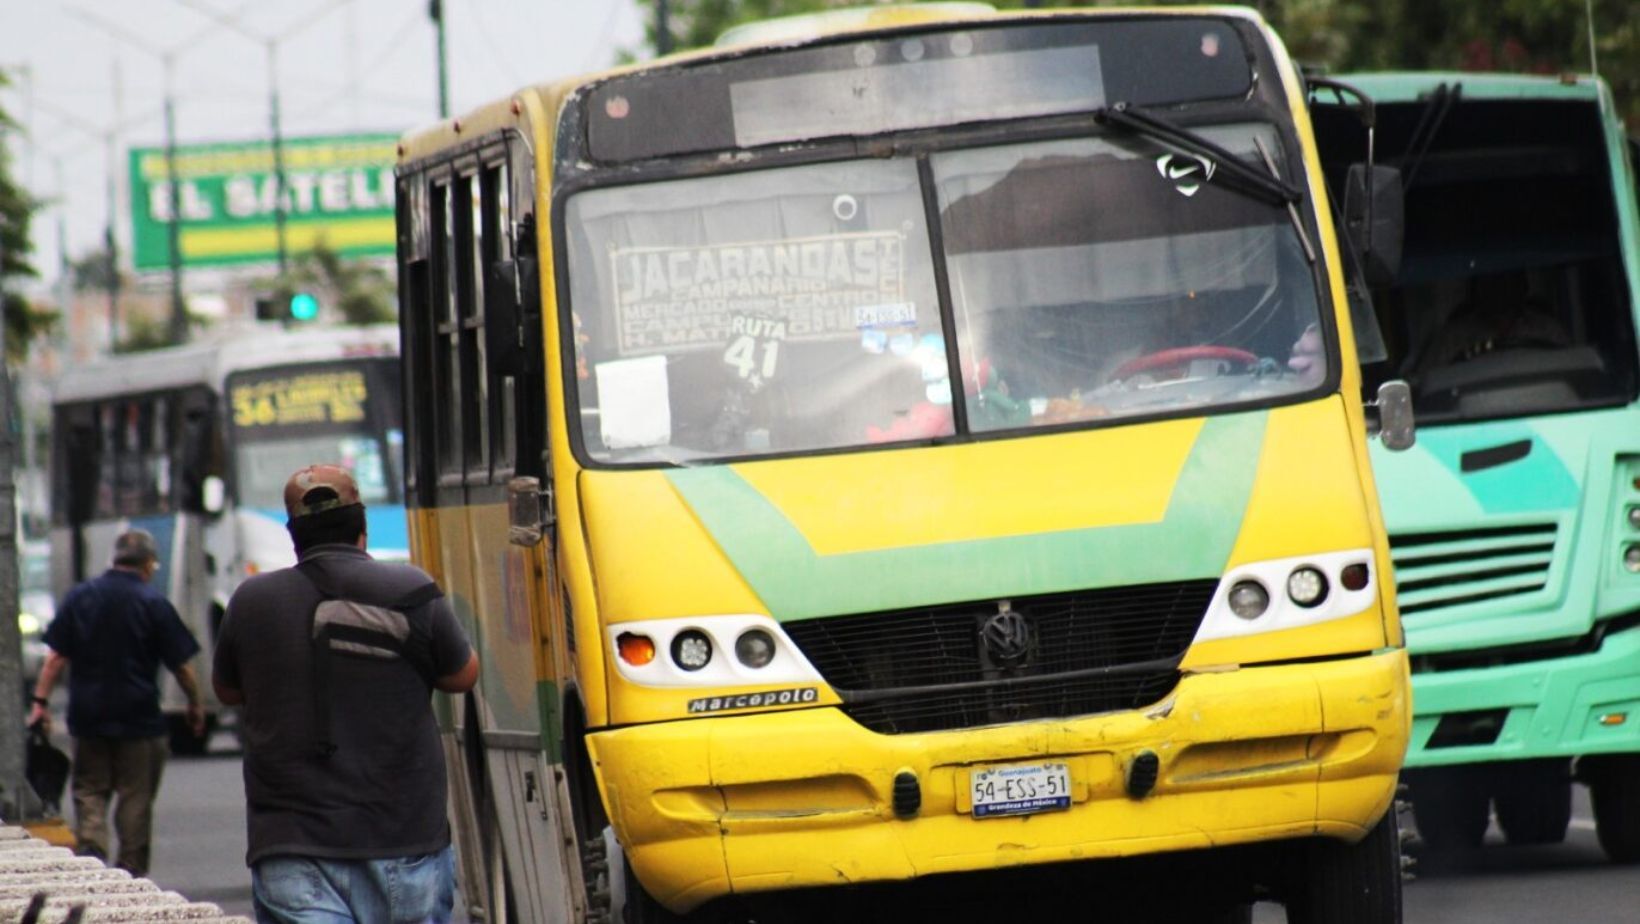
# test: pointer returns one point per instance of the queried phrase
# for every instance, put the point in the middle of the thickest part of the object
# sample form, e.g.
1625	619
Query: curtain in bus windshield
1095	279
770	311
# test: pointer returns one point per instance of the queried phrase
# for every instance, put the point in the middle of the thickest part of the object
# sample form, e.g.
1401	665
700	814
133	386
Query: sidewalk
33	871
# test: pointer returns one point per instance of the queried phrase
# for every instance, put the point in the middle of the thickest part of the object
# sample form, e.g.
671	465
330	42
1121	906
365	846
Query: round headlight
1634	517
1249	599
1631	558
691	649
755	648
27	623
1307	586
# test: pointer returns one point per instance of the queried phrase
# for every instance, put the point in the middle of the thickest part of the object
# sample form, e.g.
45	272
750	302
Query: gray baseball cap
135	547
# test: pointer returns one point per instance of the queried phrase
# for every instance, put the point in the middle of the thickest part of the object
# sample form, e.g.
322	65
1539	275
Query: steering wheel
1179	356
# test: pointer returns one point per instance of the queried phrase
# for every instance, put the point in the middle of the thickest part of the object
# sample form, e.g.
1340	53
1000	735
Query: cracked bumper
793	799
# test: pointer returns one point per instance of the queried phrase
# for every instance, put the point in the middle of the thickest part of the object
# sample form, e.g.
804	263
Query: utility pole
167	58
13	804
435	11
173	223
278	154
663	29
271	44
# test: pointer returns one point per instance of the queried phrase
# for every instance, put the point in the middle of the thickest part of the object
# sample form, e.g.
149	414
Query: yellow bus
898	446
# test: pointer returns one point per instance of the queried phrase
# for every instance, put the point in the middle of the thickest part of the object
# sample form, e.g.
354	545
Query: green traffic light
303	306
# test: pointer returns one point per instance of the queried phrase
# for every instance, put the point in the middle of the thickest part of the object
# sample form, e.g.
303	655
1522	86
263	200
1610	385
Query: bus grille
1438	570
926	669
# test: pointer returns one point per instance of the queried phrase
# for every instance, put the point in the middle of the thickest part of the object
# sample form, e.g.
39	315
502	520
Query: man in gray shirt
334	662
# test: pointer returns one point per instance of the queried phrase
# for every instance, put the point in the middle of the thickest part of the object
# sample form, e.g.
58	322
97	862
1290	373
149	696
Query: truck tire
1349	883
1614	787
1451	808
1534	802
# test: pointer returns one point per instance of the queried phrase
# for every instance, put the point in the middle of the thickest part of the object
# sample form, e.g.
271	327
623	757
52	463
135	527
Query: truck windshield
799	309
1513	296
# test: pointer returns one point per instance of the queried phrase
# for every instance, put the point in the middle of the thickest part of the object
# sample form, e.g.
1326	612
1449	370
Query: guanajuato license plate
1023	789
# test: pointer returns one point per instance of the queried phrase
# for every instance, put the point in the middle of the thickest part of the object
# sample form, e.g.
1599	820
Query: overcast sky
343	66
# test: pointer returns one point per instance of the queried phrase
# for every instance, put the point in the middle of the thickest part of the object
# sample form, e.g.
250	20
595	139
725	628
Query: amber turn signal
636	650
1354	577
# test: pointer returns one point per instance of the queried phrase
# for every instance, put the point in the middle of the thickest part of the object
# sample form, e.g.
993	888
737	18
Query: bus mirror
529	511
213	493
1374	217
1391	416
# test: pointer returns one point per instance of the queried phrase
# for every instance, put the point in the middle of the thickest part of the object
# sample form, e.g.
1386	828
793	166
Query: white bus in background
194	444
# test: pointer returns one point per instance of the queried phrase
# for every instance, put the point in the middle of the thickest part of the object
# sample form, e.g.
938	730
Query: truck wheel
1450	807
1349	883
1534	802
1614	786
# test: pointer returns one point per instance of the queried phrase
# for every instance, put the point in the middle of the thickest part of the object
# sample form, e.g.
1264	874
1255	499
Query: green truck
1515	522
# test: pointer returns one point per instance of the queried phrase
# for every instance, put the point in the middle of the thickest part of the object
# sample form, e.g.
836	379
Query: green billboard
338	189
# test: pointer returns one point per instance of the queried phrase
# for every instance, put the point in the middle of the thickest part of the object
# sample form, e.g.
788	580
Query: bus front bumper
786	800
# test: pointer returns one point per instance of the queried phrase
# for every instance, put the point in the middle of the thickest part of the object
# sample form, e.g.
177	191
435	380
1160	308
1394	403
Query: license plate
1020	790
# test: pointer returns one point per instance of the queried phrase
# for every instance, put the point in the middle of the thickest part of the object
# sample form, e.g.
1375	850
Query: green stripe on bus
1192	540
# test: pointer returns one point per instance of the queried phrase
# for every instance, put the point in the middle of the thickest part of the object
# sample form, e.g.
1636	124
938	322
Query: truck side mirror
1391	416
1375	220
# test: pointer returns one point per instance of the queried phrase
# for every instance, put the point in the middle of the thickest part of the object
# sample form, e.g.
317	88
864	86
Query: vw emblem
1008	636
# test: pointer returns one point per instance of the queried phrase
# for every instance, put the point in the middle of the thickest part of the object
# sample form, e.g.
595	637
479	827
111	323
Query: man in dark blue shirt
116	631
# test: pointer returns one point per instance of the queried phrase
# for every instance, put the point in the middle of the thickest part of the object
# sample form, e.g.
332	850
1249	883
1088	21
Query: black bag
46	769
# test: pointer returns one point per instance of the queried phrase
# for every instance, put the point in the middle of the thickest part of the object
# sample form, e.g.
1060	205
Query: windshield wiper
1269	189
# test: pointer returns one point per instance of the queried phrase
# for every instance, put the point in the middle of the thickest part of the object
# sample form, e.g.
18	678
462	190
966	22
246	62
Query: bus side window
475	444
420	463
446	363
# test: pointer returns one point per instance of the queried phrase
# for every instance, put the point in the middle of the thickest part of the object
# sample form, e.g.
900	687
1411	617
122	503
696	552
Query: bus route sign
338	189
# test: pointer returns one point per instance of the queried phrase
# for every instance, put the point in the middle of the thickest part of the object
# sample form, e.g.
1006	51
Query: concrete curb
82	889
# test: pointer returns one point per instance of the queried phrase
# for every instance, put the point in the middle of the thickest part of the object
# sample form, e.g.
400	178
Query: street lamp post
167	58
271	44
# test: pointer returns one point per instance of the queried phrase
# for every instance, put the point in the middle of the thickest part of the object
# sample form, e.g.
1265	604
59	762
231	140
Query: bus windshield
343	413
800	309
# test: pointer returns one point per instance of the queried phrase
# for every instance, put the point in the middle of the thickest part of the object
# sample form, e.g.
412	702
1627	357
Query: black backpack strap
321	661
417	656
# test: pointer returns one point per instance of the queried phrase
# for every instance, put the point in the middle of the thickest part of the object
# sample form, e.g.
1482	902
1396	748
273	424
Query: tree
24	322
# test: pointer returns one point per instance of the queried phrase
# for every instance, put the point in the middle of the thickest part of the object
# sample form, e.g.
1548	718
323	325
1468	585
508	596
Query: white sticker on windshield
634	403
894	314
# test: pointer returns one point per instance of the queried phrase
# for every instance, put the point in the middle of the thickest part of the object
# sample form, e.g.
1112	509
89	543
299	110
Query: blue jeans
310	890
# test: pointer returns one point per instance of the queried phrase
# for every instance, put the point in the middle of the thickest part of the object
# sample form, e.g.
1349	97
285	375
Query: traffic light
287	306
303	306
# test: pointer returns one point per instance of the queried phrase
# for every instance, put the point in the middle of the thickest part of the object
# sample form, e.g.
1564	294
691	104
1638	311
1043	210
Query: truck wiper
1265	187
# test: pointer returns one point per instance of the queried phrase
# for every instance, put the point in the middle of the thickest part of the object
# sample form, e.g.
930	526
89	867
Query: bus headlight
27	623
1330	585
1249	599
1306	586
691	649
754	648
684	651
1631	558
1634	517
